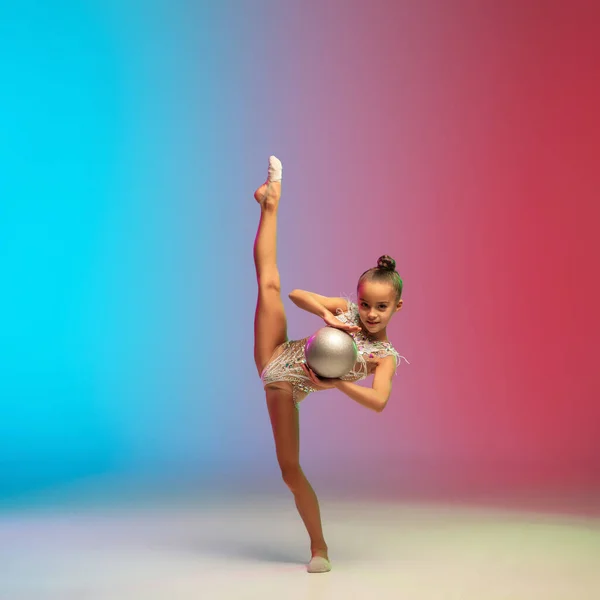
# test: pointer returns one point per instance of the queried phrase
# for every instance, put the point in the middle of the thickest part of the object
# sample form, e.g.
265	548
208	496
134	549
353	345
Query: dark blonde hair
385	271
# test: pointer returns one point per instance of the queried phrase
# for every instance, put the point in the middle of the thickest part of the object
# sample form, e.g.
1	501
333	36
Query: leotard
286	362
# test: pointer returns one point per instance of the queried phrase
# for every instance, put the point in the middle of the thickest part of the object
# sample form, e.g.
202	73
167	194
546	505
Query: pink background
462	139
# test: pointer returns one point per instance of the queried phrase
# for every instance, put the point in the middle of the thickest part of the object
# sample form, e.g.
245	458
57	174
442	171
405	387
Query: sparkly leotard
286	362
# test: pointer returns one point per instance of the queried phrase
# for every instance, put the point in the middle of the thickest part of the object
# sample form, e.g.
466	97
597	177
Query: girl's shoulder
367	346
385	350
351	307
349	316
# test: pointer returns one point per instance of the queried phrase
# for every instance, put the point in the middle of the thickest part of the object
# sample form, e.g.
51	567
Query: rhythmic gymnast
286	377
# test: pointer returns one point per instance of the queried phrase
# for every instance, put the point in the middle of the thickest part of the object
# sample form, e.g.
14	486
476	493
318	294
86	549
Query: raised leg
270	324
286	431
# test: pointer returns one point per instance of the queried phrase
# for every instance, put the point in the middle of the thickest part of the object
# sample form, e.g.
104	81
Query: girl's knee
270	283
292	474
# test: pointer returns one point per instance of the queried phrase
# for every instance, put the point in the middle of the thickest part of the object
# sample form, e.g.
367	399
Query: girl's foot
268	193
275	170
318	564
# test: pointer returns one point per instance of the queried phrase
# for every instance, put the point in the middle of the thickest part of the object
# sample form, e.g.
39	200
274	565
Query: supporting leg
286	431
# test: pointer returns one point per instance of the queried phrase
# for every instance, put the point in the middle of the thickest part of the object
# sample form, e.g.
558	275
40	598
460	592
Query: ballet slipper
275	170
318	564
274	176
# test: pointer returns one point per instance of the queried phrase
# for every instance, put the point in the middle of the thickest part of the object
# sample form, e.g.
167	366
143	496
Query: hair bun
386	263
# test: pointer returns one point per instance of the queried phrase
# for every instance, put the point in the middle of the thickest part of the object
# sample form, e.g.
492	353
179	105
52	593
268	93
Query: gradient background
460	137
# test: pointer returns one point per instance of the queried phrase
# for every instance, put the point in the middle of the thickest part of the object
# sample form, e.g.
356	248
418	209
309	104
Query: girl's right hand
333	321
319	382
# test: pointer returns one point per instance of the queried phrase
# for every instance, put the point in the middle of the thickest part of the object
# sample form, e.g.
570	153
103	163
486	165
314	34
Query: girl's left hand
332	321
325	384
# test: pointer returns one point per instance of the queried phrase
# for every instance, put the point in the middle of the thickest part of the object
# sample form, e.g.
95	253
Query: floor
255	547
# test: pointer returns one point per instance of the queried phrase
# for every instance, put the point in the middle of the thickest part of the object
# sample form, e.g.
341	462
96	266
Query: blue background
124	249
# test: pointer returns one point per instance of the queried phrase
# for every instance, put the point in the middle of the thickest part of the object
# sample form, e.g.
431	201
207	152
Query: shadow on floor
257	551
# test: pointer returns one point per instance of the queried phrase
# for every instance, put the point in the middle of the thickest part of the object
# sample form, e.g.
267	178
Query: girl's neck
381	336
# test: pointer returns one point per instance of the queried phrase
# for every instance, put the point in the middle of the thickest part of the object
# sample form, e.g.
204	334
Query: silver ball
330	352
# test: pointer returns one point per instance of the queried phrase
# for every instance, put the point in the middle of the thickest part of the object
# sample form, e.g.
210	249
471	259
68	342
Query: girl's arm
377	396
321	306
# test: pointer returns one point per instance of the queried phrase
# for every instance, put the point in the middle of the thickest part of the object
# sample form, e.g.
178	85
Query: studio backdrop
458	137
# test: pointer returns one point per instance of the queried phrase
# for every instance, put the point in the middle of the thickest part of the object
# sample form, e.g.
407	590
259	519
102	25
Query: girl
280	362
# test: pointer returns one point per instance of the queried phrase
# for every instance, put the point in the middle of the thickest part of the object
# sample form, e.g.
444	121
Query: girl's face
376	305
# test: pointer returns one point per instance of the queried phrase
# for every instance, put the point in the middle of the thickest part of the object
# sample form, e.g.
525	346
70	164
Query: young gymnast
280	362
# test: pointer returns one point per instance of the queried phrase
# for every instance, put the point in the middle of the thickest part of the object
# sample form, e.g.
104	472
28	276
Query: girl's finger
314	376
309	372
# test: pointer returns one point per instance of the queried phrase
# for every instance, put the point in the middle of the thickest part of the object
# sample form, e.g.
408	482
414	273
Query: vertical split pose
280	362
